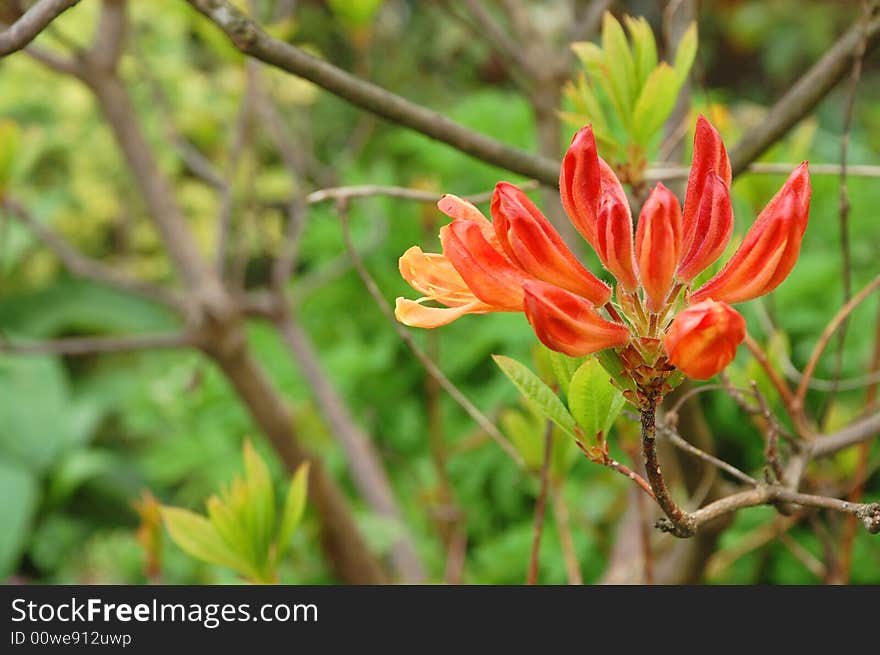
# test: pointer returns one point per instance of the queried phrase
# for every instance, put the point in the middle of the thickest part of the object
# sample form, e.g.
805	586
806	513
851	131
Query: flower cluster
653	321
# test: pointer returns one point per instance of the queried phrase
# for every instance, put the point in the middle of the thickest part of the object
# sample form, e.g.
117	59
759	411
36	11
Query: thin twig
431	368
829	331
540	506
83	266
679	442
32	22
404	193
566	542
772	433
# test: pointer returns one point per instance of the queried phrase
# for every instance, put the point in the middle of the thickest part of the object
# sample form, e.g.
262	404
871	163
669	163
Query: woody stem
683	524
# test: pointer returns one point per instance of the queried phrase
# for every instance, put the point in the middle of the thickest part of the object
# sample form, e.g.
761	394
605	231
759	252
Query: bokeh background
81	438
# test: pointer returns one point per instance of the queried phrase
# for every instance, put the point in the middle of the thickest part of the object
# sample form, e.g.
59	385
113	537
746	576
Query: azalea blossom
654	321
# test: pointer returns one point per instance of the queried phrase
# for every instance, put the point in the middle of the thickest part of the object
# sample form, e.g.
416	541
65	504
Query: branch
33	21
95	345
540	506
855	433
83	266
807	91
250	39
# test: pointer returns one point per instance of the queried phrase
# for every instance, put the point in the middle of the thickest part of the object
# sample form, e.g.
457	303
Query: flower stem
683	524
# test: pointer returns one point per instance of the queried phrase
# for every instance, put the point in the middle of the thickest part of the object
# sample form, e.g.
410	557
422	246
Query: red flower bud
713	227
584	180
484	269
770	248
567	323
709	159
614	241
530	241
703	338
658	244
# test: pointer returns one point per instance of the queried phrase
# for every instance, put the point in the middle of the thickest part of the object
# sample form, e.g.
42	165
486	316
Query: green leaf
655	103
621	67
594	401
538	393
564	367
196	536
685	54
294	506
644	47
261	498
525	435
18	488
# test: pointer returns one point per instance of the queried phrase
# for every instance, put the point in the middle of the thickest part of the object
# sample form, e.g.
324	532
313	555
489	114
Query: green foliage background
80	438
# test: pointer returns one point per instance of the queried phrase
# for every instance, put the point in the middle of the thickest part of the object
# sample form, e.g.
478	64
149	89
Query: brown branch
679	442
83	266
540	506
248	37
32	22
563	527
806	93
857	432
96	345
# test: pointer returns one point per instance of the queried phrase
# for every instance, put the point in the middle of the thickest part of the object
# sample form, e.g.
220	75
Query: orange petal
614	241
567	323
658	241
709	159
485	270
713	227
414	314
703	338
531	241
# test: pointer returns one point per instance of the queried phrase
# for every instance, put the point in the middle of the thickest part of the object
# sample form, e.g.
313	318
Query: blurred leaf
564	368
198	537
685	54
19	492
10	139
534	390
620	66
655	103
593	400
294	506
355	13
644	47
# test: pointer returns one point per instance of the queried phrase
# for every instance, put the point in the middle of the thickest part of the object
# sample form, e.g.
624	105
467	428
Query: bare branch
96	345
248	37
679	442
83	266
405	193
806	93
854	433
33	21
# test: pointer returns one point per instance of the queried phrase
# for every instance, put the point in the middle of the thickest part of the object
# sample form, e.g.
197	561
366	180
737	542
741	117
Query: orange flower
519	262
770	248
703	338
567	323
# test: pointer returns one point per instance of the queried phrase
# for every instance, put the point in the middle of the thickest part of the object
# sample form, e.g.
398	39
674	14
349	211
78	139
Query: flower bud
703	338
709	159
658	244
567	323
712	229
584	180
770	248
614	241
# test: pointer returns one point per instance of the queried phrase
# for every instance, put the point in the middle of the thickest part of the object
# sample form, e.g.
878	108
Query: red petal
567	323
713	227
658	240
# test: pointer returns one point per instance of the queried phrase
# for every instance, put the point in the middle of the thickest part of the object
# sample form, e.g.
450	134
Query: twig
845	251
806	93
772	450
662	171
540	506
679	442
95	345
372	190
32	22
804	556
829	331
431	368
83	266
645	538
681	523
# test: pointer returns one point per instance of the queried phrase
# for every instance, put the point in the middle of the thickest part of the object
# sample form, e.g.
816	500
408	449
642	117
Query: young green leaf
563	368
294	506
593	400
685	54
536	392
655	103
525	435
261	500
196	536
644	47
620	64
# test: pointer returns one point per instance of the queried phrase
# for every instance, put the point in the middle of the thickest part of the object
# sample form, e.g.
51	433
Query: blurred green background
81	438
